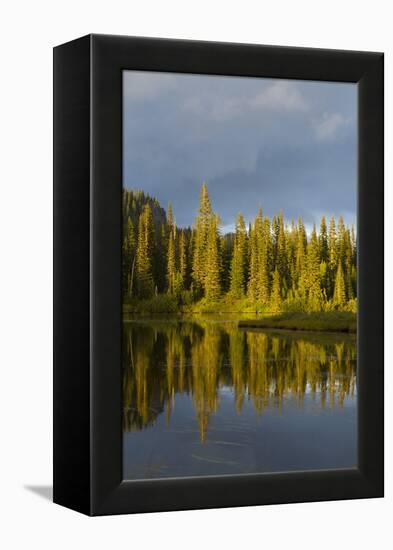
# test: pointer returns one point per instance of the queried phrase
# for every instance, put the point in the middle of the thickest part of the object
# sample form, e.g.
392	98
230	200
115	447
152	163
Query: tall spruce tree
300	284
239	259
275	301
262	231
323	241
183	264
128	258
282	260
333	255
212	281
339	298
144	276
202	225
171	266
313	274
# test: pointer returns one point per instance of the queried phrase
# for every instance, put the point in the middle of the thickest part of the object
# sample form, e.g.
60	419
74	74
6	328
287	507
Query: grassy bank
329	321
166	303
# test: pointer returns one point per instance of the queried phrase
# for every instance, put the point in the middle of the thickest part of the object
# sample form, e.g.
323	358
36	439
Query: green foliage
212	283
201	231
171	266
128	258
239	260
162	303
276	293
183	261
145	253
339	298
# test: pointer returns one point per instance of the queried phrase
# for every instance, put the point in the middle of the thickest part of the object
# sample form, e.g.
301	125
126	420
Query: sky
256	142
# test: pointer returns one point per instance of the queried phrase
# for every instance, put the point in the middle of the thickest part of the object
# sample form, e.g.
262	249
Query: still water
203	397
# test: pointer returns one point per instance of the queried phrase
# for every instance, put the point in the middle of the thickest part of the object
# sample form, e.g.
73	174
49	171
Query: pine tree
275	301
275	236
239	260
160	260
262	231
252	287
333	256
353	245
129	251
227	243
323	241
203	222
354	261
341	239
282	260
212	281
300	284
171	265
170	216
339	298
183	264
144	277
347	263
314	274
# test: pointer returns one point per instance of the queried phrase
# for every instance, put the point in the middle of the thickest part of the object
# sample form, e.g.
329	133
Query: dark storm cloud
256	142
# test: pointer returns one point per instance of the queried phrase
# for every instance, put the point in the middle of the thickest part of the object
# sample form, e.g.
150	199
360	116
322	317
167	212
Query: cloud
281	95
328	127
139	86
268	97
256	142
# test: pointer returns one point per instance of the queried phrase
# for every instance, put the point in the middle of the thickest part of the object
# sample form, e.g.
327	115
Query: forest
269	266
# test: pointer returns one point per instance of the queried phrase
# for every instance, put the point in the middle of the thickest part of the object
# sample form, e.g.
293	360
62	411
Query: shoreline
253	325
326	321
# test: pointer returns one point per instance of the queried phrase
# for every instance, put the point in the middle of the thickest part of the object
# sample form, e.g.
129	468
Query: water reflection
204	359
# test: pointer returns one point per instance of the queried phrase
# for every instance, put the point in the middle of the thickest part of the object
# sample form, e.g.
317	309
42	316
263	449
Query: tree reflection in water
162	359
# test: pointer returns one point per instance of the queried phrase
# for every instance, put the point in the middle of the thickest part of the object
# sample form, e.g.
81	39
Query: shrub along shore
324	321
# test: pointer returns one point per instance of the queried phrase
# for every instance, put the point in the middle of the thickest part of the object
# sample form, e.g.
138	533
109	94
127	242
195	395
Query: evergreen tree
339	298
313	274
159	260
202	225
353	245
239	259
129	251
333	256
301	286
144	277
262	232
323	241
227	244
171	266
275	236
170	216
275	301
212	281
252	288
347	263
183	264
282	261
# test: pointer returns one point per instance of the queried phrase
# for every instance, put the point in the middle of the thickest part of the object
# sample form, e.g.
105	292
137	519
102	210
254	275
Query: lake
204	397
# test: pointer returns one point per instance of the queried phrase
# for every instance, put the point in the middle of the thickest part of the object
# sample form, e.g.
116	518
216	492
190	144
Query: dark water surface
202	397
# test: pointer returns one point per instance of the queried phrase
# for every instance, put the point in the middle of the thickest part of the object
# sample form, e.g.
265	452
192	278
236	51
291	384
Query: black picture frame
87	274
